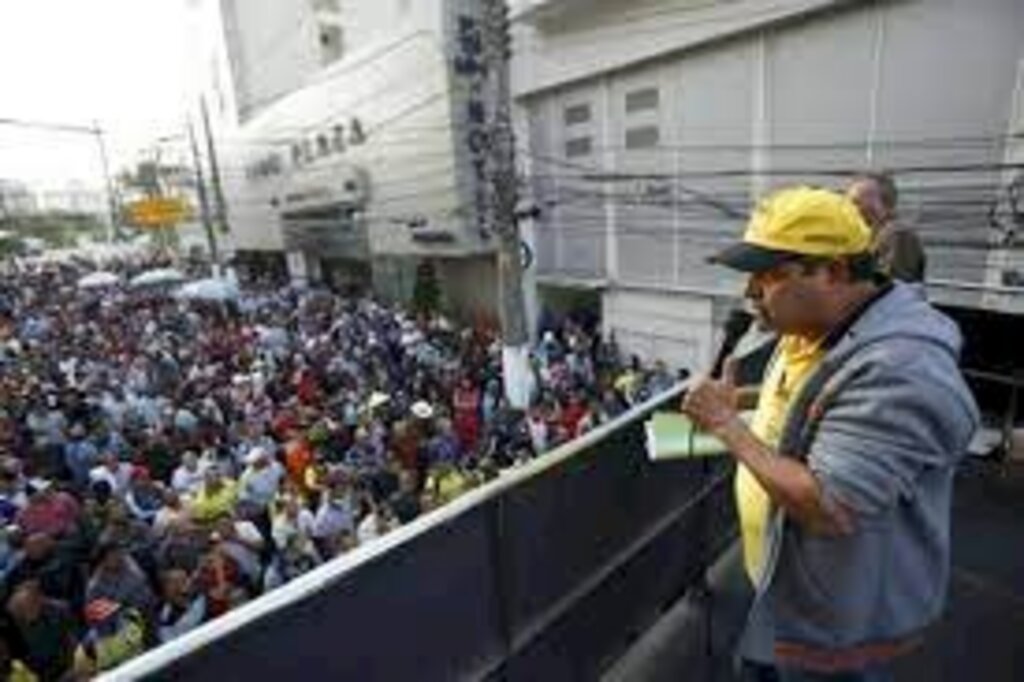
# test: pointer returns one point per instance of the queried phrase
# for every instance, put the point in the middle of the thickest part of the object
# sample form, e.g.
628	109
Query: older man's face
868	197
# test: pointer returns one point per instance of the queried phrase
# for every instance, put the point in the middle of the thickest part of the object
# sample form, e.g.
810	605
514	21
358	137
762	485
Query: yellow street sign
157	212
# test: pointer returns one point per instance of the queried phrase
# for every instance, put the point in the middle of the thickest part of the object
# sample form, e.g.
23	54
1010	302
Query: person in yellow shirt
216	497
116	634
862	420
793	361
445	483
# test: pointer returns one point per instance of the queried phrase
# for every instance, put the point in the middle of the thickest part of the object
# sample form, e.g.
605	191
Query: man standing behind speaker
897	247
862	418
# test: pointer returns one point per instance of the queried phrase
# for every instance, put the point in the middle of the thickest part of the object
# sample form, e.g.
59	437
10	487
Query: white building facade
353	158
652	126
74	197
16	199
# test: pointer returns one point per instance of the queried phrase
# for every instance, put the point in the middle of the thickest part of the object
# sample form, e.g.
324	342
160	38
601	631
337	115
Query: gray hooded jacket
881	423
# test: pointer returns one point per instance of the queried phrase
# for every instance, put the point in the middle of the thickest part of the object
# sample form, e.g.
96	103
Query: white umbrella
211	289
272	336
157	277
98	280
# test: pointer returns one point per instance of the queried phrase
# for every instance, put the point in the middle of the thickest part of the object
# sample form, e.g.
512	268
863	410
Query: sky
121	63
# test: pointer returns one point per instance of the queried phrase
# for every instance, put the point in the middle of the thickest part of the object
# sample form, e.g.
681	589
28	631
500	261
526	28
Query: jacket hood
902	312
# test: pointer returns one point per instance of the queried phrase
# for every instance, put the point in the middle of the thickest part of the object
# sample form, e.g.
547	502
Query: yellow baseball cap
801	221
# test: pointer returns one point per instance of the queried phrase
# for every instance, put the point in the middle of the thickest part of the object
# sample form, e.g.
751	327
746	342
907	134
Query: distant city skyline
125	65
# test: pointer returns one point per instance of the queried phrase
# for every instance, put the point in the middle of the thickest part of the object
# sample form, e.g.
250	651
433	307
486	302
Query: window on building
327	6
642	138
356	134
331	43
275	164
577	114
646	99
323	145
578	146
339	138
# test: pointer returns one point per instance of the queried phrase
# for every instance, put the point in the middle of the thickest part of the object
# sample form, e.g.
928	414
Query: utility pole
516	369
220	210
112	203
204	203
97	133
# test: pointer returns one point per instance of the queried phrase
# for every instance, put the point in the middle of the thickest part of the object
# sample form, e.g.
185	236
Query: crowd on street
163	462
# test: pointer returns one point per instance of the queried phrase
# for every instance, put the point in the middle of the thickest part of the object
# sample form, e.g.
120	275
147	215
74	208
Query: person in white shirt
293	526
538	431
188	477
181	608
292	531
378	522
334	526
171	513
242	541
113	472
261	480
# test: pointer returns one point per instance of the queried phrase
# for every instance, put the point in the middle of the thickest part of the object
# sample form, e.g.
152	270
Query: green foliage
426	295
56	229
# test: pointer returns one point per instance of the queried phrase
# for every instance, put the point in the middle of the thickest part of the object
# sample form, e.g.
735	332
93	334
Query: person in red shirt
284	422
306	387
572	414
406	439
220	579
298	457
51	512
466	405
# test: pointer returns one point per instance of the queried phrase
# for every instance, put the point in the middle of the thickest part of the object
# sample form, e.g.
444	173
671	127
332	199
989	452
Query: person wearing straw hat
846	472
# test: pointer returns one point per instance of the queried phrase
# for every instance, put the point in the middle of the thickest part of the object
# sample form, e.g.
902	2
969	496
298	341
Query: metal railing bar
330	573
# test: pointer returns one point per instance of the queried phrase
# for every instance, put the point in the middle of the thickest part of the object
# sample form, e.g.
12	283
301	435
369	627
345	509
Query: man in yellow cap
846	472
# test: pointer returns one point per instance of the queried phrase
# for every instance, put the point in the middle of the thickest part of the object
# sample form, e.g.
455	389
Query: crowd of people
163	462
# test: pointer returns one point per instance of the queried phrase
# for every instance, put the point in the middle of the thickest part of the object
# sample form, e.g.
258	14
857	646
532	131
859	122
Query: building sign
158	212
471	71
310	149
340	184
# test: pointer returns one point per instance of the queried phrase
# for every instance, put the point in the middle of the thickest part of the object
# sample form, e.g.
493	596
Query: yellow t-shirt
21	673
205	507
793	363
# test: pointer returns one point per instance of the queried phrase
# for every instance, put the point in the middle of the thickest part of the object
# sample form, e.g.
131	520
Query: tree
426	295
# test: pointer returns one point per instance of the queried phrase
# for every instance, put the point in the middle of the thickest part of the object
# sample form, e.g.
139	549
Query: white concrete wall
582	38
369	23
210	62
849	85
398	91
399	84
678	328
273	47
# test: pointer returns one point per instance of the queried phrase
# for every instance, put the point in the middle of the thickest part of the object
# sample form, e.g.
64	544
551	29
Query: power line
54	127
619	25
601	175
926	143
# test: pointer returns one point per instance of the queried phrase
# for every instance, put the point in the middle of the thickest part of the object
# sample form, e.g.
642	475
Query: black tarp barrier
546	574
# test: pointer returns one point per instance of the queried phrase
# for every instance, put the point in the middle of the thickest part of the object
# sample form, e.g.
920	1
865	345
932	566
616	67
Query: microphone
736	326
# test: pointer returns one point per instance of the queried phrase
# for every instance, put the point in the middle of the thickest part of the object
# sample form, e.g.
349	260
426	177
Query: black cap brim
751	258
